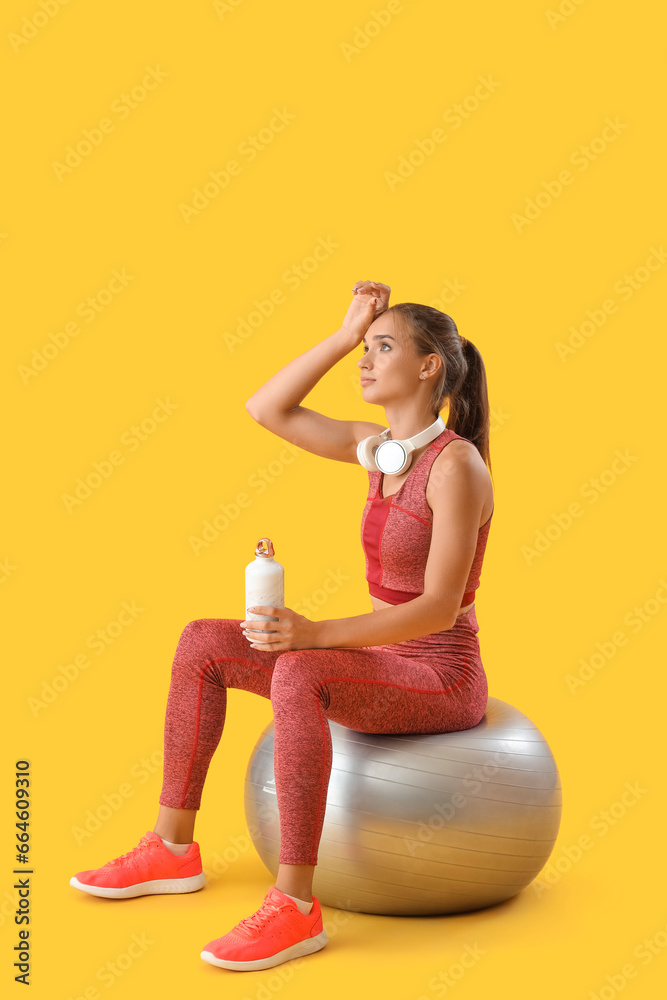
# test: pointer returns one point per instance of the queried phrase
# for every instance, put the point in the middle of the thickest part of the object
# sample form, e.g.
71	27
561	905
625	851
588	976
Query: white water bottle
264	582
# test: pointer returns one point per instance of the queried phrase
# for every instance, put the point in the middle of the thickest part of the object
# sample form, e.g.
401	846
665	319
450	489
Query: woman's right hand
364	309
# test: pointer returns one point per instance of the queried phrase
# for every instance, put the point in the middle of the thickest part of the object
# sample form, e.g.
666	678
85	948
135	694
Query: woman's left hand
288	630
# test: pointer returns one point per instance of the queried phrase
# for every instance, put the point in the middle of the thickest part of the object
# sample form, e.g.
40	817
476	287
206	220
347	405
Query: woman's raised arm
277	404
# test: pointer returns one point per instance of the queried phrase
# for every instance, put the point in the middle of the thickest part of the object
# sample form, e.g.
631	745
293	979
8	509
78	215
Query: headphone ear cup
406	465
365	451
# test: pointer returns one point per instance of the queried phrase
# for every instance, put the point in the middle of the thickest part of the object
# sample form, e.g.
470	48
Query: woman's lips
362	380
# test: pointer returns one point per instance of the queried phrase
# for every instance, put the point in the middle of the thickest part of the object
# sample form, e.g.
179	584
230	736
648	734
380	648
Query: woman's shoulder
460	457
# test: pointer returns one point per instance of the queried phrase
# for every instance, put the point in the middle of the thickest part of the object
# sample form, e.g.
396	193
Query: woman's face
388	358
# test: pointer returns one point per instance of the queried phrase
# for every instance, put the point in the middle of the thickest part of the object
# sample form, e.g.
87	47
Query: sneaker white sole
160	885
305	947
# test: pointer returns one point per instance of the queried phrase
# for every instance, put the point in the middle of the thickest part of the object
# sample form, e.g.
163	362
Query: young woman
412	665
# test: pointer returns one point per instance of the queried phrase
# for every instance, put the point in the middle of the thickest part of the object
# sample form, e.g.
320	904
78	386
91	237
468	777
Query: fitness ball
423	824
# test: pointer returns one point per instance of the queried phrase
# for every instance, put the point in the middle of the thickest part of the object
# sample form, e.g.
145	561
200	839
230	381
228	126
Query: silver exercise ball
423	824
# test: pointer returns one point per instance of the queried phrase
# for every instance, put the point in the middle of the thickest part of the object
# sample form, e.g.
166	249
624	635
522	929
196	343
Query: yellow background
557	427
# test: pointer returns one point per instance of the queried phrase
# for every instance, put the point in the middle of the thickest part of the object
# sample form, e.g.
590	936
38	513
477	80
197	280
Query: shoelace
143	844
267	910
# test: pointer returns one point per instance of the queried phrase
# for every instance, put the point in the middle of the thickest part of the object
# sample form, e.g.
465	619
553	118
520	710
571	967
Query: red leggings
434	684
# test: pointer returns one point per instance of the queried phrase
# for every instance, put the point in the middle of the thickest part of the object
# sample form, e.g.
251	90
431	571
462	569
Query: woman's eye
381	345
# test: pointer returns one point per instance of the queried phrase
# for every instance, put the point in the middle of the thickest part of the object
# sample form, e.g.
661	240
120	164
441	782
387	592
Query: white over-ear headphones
380	453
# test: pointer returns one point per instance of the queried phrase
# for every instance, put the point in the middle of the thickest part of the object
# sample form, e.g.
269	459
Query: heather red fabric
433	684
396	533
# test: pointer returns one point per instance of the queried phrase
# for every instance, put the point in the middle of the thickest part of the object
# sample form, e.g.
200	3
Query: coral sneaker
150	867
277	932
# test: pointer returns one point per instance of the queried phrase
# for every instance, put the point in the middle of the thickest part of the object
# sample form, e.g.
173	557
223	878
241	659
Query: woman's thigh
373	690
368	688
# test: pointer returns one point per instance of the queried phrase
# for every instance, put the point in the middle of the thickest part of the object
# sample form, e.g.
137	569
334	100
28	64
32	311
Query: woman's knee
206	638
296	671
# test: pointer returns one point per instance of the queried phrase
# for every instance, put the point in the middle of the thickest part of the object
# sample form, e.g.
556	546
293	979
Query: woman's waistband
460	637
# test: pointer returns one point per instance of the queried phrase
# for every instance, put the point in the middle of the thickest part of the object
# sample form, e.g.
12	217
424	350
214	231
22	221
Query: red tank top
396	533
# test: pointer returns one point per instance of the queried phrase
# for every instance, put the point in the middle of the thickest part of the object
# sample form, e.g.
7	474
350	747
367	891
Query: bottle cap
268	546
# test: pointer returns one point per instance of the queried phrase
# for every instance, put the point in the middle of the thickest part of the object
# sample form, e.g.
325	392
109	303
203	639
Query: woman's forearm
411	620
288	387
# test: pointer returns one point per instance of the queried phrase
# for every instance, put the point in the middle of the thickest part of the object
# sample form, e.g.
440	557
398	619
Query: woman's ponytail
469	404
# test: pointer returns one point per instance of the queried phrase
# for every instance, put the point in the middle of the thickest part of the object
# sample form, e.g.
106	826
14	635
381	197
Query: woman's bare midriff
378	605
391	485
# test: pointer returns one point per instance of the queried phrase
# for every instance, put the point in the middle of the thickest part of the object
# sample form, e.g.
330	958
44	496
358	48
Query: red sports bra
396	533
